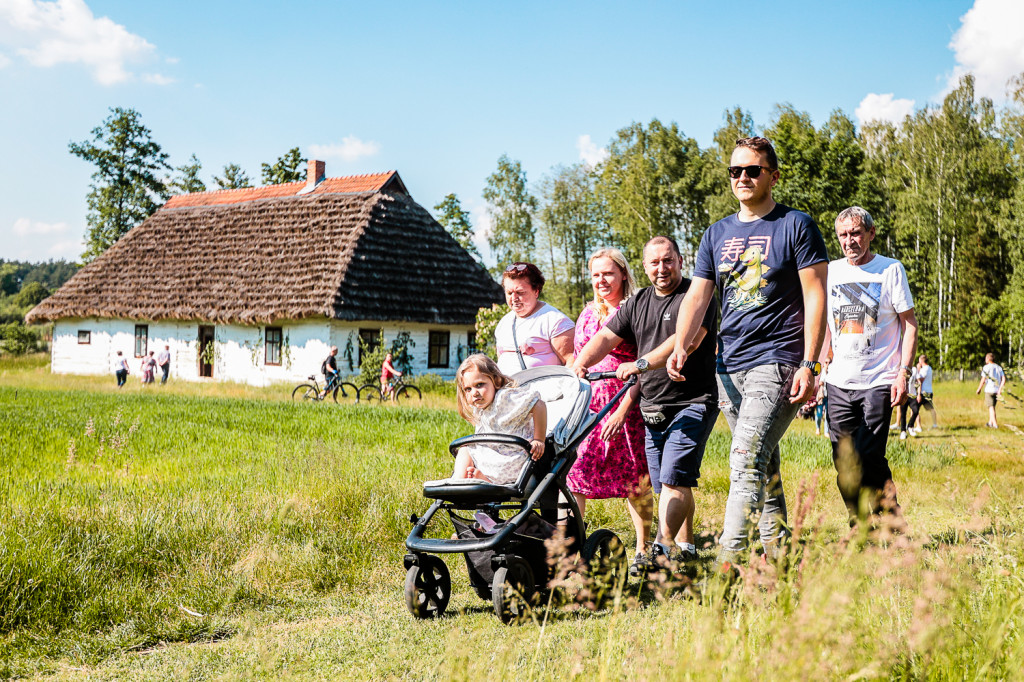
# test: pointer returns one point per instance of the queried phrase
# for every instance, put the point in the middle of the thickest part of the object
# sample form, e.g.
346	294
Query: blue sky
438	91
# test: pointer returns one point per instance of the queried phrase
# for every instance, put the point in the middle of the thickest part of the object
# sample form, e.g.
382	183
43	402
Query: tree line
24	285
945	186
133	177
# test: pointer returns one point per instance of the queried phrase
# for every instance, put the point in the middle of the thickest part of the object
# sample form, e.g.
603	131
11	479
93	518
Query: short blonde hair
487	367
629	286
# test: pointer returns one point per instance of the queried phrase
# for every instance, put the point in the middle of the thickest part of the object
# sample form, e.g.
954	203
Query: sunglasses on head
517	267
752	171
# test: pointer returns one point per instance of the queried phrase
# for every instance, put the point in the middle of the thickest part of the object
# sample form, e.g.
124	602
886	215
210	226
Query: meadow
216	531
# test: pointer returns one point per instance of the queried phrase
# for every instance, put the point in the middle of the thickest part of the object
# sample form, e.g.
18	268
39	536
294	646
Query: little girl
494	404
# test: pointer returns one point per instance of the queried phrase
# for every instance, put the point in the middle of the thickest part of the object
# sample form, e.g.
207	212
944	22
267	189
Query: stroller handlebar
598	376
475	438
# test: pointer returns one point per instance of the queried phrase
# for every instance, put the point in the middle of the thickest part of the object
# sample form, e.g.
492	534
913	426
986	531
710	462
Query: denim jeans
166	369
756	404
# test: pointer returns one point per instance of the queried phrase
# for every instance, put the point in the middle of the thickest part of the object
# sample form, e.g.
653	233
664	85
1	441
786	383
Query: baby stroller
507	559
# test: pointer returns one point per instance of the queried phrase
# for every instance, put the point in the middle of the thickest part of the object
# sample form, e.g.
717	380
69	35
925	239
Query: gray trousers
756	404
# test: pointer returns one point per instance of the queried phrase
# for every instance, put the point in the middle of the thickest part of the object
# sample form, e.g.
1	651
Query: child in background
494	404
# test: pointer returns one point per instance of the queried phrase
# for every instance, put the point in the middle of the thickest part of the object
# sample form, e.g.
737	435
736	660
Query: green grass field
215	531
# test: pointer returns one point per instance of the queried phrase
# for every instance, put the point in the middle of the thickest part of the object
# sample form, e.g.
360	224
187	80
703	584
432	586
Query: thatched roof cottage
255	284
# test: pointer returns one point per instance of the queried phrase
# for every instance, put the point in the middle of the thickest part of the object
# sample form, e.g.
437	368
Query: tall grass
134	519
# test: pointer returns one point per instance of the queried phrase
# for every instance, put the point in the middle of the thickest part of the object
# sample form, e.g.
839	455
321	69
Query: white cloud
877	107
66	32
23	227
990	45
4	60
590	153
350	149
69	249
157	79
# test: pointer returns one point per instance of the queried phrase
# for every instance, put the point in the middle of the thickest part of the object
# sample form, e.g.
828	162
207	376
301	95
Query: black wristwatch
642	365
812	365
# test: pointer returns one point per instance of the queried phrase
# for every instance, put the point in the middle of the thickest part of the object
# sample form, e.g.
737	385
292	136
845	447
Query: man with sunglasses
768	263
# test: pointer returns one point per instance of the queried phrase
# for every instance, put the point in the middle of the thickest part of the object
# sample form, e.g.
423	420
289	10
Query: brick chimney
315	174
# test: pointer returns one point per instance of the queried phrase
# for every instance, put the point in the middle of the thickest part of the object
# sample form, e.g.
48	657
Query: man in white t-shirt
992	380
872	334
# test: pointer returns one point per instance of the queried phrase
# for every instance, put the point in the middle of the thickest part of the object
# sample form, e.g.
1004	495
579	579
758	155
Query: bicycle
349	394
401	392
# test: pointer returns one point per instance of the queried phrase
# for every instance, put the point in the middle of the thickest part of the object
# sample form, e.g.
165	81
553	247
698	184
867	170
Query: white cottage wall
240	351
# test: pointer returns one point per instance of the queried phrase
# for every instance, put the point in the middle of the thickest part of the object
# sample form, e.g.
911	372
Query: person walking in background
148	368
163	361
992	380
872	330
121	369
769	264
329	368
387	374
611	461
820	407
921	395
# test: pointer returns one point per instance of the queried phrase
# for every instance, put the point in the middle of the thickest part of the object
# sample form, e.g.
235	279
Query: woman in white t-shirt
533	333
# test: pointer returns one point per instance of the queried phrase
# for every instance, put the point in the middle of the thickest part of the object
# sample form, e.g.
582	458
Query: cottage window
273	349
369	340
141	340
84	336
471	342
438	355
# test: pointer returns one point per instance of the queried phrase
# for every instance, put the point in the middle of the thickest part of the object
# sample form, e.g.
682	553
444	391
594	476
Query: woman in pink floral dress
611	460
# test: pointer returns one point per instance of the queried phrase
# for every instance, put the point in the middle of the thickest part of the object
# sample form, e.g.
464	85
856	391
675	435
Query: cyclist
387	371
329	368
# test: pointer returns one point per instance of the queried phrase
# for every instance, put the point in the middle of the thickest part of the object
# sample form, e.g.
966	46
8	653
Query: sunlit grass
124	514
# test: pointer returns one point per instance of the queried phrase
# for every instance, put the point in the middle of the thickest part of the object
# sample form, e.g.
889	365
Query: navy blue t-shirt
755	266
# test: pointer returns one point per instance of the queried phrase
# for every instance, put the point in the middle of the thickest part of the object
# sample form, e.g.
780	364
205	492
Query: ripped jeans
756	404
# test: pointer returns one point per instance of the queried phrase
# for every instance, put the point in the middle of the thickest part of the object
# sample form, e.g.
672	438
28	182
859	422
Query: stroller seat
568	405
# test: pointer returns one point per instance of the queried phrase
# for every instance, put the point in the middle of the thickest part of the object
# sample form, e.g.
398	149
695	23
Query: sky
439	90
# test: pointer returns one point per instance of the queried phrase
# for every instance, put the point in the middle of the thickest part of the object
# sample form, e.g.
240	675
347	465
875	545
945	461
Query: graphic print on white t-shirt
854	307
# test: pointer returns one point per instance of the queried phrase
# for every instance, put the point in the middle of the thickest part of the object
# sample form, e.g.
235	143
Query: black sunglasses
516	267
752	171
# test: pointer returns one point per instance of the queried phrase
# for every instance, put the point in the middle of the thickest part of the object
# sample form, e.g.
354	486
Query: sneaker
894	427
684	562
917	430
641	564
911	433
659	559
903	435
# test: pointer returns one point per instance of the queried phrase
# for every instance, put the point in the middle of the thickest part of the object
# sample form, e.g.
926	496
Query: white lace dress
509	413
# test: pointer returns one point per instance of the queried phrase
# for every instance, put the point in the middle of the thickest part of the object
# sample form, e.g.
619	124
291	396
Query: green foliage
371	360
487	320
401	355
349	353
17	339
288	168
456	222
234	178
187	180
127	186
511	207
652	184
573	225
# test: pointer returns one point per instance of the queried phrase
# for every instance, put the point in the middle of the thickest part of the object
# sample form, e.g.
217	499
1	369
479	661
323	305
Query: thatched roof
370	255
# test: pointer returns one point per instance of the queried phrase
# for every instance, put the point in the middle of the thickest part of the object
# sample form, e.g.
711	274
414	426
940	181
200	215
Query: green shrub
17	339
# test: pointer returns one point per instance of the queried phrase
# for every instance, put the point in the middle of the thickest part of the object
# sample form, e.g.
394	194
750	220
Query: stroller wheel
428	587
603	553
512	590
